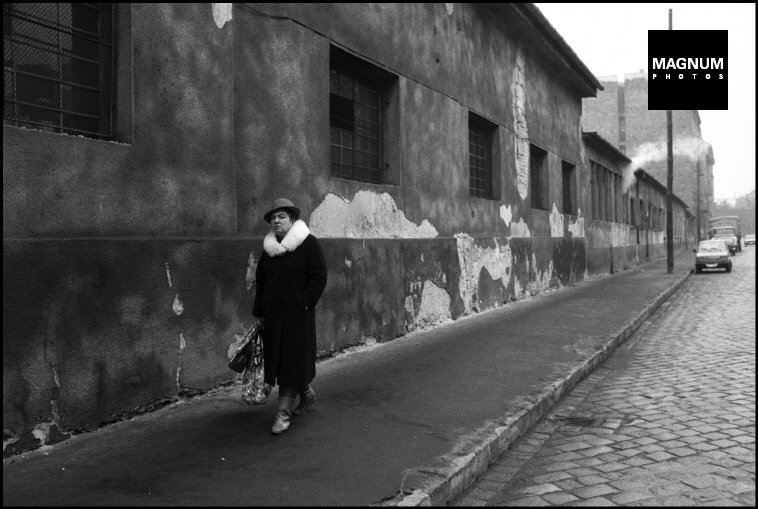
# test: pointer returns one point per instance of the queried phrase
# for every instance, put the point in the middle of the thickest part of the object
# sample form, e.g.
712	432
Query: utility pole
697	166
670	186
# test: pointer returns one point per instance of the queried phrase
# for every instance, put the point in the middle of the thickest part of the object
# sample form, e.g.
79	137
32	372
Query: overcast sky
611	39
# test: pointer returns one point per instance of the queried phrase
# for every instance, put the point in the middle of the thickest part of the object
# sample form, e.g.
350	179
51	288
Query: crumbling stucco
472	258
577	228
556	222
250	273
543	280
178	307
520	229
518	290
369	215
505	214
433	310
222	14
519	125
182	346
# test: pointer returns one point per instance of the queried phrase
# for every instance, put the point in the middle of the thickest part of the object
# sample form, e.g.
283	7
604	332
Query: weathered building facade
619	114
626	213
436	149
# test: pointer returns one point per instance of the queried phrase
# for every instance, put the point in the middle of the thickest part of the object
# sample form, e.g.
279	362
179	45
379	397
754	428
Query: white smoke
691	148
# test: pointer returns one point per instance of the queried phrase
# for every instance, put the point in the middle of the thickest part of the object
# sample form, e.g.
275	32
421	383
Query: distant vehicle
720	222
712	254
728	234
750	239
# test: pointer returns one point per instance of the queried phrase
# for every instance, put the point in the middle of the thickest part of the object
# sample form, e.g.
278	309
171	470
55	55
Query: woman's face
281	222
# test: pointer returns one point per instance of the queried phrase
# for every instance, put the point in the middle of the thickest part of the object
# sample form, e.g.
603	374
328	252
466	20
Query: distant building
626	210
619	113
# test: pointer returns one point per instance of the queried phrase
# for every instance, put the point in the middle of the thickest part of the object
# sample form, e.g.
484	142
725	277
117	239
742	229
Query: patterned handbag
254	389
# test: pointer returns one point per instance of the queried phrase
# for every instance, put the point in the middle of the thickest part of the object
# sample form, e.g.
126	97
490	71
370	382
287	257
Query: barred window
355	124
606	193
58	60
538	177
480	157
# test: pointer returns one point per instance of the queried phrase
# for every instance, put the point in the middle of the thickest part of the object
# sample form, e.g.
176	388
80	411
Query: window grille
538	177
58	67
569	187
480	161
355	124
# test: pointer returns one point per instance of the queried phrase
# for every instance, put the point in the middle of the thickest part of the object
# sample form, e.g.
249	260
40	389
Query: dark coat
287	288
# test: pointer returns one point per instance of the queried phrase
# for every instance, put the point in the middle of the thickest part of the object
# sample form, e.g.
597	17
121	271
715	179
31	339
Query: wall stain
178	307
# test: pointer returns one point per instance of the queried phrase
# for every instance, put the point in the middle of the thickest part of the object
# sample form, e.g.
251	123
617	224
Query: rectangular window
481	161
641	218
608	194
355	123
594	189
603	195
58	67
569	188
361	99
608	202
538	177
632	217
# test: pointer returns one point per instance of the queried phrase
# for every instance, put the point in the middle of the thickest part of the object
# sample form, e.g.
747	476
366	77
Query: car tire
729	268
698	270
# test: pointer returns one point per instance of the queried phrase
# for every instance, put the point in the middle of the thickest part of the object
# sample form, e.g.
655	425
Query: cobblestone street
669	419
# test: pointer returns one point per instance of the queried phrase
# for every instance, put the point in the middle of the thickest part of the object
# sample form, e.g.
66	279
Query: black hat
282	203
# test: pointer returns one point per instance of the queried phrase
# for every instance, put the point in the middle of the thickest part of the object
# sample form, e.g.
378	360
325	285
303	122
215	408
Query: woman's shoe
281	422
307	399
283	414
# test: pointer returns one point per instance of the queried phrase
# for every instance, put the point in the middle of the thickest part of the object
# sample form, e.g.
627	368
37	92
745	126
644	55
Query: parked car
712	254
750	239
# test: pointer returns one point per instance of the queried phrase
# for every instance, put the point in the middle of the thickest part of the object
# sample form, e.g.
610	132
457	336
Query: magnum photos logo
687	70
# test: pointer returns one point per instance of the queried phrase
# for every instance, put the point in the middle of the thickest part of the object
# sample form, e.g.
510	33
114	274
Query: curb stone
442	481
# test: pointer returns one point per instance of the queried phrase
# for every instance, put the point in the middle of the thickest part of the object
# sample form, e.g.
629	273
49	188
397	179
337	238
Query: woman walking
289	279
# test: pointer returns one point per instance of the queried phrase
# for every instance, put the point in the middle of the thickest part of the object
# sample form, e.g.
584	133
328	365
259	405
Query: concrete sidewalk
408	422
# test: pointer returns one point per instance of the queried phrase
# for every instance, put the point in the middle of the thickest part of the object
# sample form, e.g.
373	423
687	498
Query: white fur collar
290	242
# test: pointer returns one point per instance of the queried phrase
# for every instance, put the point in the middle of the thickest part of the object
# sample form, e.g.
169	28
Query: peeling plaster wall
434	308
284	62
577	227
519	125
107	331
222	14
131	266
556	222
473	258
369	215
616	246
